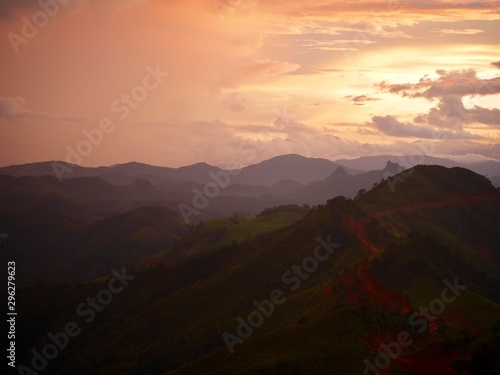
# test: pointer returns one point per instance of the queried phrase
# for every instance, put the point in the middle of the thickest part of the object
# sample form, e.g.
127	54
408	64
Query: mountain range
269	172
388	271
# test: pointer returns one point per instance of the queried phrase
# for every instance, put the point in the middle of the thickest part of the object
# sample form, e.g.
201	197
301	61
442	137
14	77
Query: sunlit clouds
349	79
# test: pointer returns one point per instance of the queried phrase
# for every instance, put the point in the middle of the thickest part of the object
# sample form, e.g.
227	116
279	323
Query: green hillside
218	233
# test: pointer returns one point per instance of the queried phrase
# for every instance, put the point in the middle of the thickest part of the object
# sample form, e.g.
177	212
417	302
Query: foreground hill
346	280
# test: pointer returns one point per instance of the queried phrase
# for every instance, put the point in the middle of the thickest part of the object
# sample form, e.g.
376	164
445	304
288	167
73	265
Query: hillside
215	234
379	259
50	246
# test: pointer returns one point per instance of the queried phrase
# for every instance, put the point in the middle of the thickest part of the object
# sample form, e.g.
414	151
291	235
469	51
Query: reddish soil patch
360	283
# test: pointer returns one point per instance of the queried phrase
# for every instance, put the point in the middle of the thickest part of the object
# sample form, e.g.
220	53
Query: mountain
410	268
287	167
97	192
89	198
93	198
488	168
291	167
368	163
341	183
120	174
495	180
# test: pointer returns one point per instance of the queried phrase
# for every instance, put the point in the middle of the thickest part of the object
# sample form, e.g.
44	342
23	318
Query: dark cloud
496	64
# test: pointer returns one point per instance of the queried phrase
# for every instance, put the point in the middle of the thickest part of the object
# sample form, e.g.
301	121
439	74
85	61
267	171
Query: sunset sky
331	79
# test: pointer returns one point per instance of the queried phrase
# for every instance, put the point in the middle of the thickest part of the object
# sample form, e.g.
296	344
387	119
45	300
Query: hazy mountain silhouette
342	183
368	163
287	167
291	167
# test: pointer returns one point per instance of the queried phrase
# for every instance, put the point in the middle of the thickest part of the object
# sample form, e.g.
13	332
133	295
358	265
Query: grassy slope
217	233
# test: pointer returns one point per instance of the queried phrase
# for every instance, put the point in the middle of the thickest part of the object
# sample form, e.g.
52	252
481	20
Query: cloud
234	102
449	113
456	82
389	125
450	88
444	32
307	9
496	64
218	142
249	45
361	99
115	5
13	109
484	115
256	70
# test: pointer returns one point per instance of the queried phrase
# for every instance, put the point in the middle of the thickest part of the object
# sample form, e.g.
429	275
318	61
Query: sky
176	82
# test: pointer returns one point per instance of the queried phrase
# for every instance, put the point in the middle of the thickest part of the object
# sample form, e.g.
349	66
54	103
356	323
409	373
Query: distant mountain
495	180
488	168
368	163
287	167
120	174
89	198
417	255
292	167
341	183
